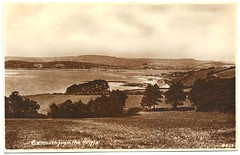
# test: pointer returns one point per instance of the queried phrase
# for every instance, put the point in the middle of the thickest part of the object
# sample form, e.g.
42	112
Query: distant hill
17	64
128	63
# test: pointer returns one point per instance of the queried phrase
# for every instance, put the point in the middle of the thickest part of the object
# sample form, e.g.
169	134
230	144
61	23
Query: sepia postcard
119	76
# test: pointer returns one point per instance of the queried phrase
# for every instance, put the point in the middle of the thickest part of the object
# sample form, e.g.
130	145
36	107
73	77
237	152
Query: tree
16	106
54	111
111	105
175	95
68	109
214	94
117	101
8	107
98	107
151	96
81	109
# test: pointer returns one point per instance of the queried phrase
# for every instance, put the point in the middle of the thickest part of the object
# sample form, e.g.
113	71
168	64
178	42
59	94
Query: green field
147	130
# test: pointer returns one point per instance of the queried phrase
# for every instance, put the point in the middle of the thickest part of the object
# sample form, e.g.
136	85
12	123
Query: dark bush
133	111
186	108
158	109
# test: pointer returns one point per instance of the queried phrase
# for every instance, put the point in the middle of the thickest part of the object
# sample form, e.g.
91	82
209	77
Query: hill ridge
134	63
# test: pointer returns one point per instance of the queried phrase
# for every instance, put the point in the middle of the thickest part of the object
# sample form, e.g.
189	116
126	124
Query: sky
199	31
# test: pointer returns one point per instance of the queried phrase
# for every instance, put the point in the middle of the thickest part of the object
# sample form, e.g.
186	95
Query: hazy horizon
157	31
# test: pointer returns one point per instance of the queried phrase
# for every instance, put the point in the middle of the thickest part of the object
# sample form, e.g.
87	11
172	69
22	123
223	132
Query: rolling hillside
220	72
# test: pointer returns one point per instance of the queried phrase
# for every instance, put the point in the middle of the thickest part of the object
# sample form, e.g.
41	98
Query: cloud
163	31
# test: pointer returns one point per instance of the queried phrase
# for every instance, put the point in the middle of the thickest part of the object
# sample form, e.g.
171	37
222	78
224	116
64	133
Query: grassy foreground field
148	130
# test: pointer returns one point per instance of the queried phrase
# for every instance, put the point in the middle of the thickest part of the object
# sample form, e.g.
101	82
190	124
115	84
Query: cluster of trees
96	87
211	94
214	95
16	106
103	106
152	96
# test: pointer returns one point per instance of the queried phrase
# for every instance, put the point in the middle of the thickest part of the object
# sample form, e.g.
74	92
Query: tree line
103	106
112	105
